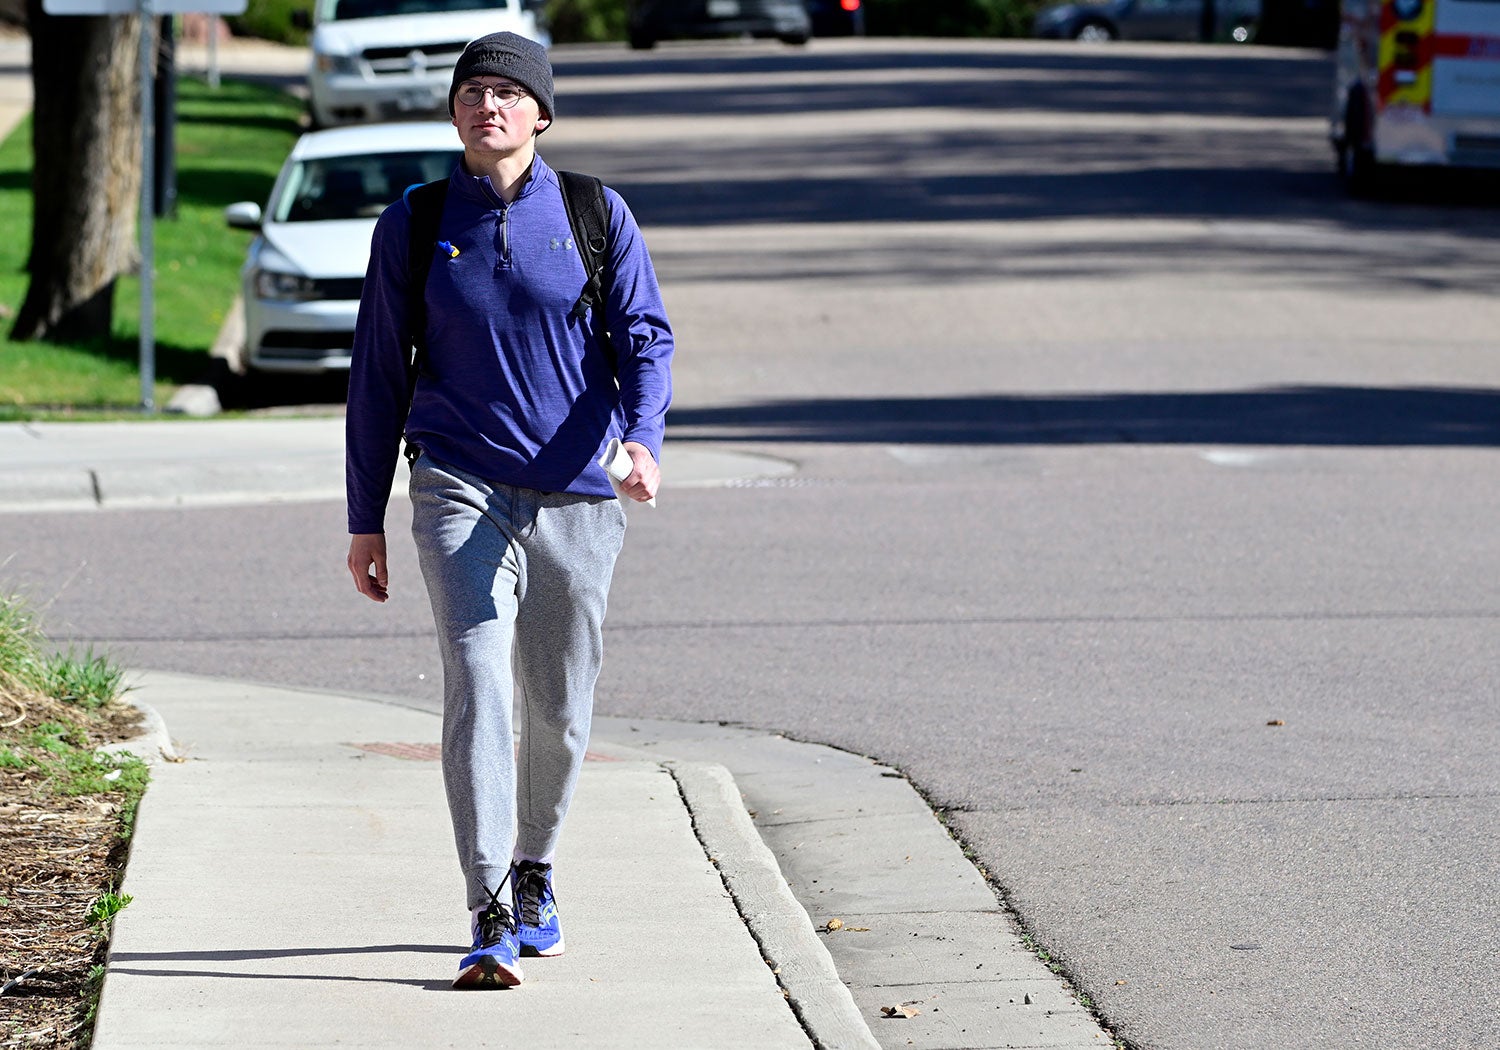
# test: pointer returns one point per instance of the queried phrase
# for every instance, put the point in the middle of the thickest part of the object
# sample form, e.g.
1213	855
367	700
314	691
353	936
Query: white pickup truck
391	59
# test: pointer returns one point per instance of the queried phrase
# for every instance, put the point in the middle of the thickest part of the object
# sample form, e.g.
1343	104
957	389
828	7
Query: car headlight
285	287
342	64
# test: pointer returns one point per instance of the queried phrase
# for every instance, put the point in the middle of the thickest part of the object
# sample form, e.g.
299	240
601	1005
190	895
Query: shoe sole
532	952
488	973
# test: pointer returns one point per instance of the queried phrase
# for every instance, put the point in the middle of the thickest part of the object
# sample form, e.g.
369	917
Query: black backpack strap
424	203
588	216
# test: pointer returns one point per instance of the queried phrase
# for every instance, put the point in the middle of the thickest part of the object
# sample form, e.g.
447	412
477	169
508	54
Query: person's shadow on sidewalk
281	953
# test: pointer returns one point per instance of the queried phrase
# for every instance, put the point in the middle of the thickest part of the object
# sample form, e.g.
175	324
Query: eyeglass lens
471	93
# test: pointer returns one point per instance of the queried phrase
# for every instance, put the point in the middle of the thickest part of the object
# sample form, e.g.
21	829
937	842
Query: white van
392	59
1418	84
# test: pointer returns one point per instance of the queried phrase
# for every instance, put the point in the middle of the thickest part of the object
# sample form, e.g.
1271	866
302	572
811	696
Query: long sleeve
378	391
639	330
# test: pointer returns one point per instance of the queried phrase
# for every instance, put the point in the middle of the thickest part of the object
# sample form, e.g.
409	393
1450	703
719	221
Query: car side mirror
302	18
243	216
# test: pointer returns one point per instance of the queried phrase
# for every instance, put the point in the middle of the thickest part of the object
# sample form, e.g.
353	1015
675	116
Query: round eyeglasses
472	92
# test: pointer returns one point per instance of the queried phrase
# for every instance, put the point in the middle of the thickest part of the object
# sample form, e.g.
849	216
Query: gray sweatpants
518	581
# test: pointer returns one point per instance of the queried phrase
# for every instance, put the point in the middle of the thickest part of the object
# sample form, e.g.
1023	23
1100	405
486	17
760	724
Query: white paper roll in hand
618	465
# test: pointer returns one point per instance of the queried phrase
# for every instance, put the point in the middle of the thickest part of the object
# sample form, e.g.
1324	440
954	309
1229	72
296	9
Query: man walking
516	525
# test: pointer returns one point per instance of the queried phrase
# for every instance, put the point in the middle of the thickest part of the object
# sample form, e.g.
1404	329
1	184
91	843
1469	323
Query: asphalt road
1143	513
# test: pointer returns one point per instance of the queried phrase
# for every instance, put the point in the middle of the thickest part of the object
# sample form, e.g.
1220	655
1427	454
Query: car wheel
641	42
794	39
1092	32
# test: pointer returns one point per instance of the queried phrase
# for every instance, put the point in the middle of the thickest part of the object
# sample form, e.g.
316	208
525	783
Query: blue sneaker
494	960
539	932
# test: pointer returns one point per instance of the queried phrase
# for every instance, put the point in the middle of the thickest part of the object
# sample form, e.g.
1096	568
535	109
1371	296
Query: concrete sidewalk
294	884
86	466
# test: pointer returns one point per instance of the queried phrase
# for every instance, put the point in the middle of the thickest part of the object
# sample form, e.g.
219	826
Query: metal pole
213	50
147	217
165	199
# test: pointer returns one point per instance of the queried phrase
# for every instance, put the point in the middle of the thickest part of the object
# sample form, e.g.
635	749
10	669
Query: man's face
495	120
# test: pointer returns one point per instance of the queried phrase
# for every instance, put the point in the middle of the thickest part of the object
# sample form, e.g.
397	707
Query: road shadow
1182	174
1232	134
1352	262
1231	82
1235	136
1307	415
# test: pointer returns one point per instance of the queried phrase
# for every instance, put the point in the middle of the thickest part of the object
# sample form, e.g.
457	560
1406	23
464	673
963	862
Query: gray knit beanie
507	55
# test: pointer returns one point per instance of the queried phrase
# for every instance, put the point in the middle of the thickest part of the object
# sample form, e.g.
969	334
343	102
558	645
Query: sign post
147	211
147	10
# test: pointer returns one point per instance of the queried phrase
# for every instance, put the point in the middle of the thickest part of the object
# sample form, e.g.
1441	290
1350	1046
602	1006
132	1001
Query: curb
154	742
777	920
853	839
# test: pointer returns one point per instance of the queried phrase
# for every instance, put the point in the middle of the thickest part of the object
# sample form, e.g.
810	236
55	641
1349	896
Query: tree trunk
86	173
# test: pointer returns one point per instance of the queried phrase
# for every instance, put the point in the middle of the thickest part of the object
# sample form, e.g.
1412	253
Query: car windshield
345	10
356	187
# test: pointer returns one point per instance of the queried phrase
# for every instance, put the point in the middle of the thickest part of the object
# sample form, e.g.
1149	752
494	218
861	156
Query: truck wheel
1093	32
1356	159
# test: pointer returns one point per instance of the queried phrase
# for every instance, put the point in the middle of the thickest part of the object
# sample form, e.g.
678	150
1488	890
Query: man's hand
367	549
645	479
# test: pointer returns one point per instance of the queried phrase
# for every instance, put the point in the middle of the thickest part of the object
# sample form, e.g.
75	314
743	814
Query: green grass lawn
230	145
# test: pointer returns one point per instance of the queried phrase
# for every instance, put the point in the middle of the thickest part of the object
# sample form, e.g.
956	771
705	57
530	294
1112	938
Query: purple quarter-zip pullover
514	389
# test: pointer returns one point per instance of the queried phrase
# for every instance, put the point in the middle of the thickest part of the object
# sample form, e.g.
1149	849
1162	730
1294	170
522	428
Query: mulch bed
58	854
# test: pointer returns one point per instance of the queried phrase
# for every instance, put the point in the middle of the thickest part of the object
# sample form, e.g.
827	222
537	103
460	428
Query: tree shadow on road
1085	133
1189	81
1305	415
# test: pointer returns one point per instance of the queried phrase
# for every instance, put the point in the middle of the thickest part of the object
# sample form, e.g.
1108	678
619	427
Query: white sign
131	7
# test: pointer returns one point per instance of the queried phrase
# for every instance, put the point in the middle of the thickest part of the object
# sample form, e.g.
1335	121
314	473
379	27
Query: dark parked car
1146	20
653	20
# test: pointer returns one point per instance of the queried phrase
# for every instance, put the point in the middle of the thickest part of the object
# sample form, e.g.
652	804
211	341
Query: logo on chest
560	244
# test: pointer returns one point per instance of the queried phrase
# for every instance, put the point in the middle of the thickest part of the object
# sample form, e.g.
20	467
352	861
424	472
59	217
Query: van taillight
849	5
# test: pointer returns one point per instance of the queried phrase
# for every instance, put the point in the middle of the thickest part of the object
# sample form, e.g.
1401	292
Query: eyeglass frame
493	90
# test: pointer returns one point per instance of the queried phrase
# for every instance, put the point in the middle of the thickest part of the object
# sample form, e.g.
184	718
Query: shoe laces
496	920
531	888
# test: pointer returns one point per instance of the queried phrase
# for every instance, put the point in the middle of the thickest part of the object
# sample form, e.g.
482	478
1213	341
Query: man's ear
542	123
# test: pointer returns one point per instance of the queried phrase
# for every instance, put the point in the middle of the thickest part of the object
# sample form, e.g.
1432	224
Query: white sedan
303	273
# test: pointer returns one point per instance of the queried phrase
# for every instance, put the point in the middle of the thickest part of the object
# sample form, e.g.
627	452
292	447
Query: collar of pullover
479	190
